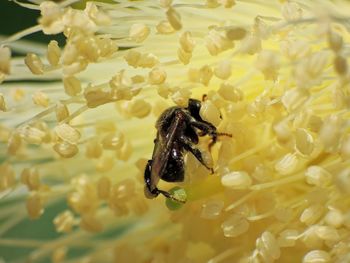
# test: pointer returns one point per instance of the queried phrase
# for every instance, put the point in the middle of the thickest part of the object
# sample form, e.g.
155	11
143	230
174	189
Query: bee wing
162	150
159	160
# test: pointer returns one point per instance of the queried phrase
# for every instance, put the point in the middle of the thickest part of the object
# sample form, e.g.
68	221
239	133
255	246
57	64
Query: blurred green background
15	18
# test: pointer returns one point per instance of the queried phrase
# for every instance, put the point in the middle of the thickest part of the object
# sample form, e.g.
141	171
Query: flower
74	149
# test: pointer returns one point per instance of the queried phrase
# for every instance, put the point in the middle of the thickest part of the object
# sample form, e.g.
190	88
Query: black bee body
178	131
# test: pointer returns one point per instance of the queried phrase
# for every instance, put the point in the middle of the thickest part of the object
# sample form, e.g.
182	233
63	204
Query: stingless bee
178	129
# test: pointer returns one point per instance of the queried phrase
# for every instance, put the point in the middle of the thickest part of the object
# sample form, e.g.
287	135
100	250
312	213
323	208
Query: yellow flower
76	138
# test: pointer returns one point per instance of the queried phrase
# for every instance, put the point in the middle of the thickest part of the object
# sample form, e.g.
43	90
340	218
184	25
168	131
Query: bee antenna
224	134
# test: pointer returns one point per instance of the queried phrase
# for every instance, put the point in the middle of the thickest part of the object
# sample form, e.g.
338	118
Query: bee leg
189	146
151	191
170	196
214	138
205	128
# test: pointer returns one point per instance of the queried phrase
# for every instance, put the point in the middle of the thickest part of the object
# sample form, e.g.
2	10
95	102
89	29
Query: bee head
194	107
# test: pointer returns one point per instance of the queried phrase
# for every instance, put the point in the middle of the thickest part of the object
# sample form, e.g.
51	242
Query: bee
178	132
